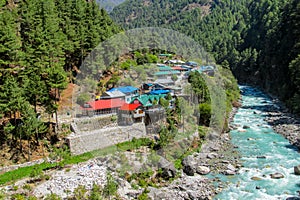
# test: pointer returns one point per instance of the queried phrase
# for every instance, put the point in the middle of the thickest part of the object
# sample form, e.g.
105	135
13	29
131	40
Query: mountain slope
139	13
109	5
258	39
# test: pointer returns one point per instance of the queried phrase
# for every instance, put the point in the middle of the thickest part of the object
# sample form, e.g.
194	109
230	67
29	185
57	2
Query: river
263	152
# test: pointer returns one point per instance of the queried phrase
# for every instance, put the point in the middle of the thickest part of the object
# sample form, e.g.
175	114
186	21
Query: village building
164	68
100	107
164	81
179	68
144	100
165	55
147	86
208	70
187	67
166	73
174	62
129	92
192	64
130	113
113	95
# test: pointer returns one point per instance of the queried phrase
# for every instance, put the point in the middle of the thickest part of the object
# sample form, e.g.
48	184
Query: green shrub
205	113
96	193
18	197
32	198
111	186
83	98
113	118
27	187
2	195
178	164
202	132
144	195
36	171
52	196
15	188
127	64
174	77
80	193
142	183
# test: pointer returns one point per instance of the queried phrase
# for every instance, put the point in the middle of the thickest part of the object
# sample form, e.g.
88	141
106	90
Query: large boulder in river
189	165
168	168
246	127
231	167
277	175
229	172
203	170
297	170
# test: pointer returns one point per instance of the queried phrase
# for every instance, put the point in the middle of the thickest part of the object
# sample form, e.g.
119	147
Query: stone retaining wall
97	139
93	123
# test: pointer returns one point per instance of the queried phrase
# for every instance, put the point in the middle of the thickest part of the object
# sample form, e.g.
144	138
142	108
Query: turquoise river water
260	140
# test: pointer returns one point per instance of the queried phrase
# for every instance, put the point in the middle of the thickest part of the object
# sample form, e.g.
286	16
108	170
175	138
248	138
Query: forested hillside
258	39
42	43
109	5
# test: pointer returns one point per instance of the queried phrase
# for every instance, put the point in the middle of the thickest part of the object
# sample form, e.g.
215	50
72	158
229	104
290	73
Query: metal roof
105	104
112	94
164	81
166	73
124	89
130	107
164	68
158	92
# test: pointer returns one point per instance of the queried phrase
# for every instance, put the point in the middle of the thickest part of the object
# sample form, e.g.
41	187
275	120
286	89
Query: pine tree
32	126
10	41
11	102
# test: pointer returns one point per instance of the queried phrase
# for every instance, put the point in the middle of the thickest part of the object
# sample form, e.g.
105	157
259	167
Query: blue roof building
191	63
159	92
166	73
206	68
126	89
129	91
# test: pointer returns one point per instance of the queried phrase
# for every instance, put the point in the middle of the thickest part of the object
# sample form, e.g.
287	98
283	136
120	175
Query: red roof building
179	68
106	104
130	107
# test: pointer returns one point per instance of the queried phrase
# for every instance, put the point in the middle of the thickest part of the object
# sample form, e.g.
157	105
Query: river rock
231	167
193	194
168	168
189	165
155	193
255	178
229	172
212	155
297	170
203	170
246	127
262	157
277	175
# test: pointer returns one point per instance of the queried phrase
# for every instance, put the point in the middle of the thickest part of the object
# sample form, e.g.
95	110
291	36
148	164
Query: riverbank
285	124
218	156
